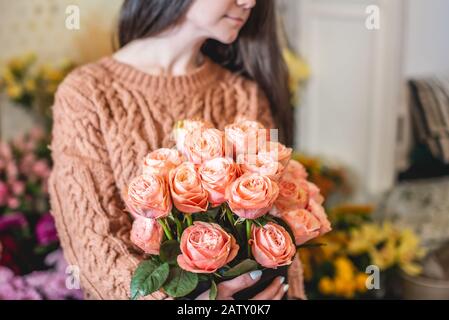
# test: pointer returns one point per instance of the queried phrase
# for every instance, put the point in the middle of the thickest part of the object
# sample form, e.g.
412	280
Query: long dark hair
256	53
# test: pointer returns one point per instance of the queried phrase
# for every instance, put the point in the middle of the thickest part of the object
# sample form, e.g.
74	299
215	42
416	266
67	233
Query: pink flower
277	151
12	220
148	196
296	169
252	195
293	194
264	165
161	161
187	192
244	138
216	175
206	247
307	224
318	211
203	145
314	192
147	235
18	187
41	169
304	225
46	230
184	127
13	203
4	193
272	245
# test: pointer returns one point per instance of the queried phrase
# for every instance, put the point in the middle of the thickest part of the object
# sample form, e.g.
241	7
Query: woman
212	60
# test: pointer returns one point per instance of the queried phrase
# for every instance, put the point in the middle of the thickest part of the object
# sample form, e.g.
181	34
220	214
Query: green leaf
169	251
241	268
203	277
180	282
213	291
148	278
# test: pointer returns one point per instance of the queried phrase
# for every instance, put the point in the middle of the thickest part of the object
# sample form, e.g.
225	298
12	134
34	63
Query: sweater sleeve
86	203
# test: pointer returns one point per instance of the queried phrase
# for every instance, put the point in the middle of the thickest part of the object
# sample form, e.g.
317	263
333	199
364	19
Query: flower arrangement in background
31	85
337	269
49	284
27	230
331	179
31	263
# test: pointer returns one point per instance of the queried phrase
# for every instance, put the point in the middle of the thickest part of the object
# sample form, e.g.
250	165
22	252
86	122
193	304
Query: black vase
267	277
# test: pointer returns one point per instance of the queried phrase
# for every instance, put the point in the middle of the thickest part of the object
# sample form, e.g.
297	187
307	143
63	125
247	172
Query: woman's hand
226	289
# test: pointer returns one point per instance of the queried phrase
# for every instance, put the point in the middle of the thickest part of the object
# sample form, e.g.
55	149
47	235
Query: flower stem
248	236
178	229
189	220
232	221
164	226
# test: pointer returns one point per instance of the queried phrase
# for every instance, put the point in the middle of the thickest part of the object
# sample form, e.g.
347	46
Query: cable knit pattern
107	117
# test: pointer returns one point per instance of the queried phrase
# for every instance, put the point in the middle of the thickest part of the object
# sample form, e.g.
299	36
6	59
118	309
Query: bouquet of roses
220	204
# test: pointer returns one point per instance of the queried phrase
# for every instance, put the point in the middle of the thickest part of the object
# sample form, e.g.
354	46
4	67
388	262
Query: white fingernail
255	274
281	280
285	287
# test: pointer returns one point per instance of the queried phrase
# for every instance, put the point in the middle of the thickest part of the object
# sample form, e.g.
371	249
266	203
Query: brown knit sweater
107	116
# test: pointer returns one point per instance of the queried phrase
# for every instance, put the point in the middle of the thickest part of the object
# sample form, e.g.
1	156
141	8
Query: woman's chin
228	37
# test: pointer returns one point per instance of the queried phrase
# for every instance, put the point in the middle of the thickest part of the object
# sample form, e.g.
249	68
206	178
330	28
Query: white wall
352	100
426	37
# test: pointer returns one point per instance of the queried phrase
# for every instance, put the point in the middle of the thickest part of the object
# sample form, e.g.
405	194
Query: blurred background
370	86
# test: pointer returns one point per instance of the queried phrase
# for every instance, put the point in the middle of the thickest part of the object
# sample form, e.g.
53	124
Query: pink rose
148	196
18	187
272	245
304	225
296	169
277	151
318	211
293	194
244	138
314	192
206	247
161	161
252	195
203	145
147	235
184	127
263	165
41	169
309	223
216	175
187	192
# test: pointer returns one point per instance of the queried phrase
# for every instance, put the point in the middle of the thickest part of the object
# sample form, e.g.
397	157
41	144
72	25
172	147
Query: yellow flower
344	287
51	74
14	91
385	257
365	238
344	268
8	76
326	286
408	251
30	85
360	281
